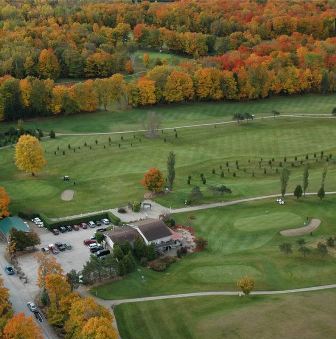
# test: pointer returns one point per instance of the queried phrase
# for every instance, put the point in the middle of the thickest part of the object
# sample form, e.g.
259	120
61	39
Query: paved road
227	122
217	293
158	209
20	294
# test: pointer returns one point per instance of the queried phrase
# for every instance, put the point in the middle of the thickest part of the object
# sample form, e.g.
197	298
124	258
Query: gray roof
153	229
126	233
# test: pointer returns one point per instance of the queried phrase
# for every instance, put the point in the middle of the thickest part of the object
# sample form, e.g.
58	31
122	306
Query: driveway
21	293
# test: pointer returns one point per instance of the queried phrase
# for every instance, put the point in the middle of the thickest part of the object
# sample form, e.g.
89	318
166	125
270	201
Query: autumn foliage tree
29	155
153	180
48	64
47	265
246	284
21	326
5	306
4	202
97	328
80	313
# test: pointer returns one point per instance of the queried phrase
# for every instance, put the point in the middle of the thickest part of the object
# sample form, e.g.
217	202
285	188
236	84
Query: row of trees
321	247
31	96
77	317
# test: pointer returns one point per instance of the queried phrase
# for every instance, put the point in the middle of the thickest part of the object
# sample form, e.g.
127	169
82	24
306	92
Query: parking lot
69	259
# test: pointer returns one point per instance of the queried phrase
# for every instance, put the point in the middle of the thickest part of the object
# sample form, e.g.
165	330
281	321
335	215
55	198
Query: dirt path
293	232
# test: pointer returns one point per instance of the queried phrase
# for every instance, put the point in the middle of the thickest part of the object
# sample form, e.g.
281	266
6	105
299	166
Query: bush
161	264
52	134
122	210
136	206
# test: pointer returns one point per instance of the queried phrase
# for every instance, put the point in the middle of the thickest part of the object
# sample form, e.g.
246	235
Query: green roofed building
7	224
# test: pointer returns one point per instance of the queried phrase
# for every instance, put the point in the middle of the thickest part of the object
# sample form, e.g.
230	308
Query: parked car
38	316
53	249
45	250
38	222
87	242
69	228
75	227
105	221
98	223
92	224
101	229
93	245
102	253
68	246
62	229
96	249
55	231
83	225
60	246
9	270
32	306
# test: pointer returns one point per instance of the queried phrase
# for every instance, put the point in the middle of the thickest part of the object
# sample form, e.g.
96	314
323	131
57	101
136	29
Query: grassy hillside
288	316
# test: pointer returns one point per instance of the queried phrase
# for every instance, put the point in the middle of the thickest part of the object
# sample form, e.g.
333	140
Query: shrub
52	134
201	243
331	242
136	206
122	210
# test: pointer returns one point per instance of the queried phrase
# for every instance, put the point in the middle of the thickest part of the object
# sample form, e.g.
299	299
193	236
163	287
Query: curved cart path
293	232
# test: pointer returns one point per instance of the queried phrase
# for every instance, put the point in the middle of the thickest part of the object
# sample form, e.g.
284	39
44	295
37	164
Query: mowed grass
178	115
108	176
233	253
309	316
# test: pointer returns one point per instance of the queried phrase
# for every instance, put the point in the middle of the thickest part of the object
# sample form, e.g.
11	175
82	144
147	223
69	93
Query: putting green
269	221
224	273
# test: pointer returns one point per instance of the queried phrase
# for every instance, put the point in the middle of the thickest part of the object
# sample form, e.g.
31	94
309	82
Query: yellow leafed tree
47	265
5	307
29	155
4	203
97	328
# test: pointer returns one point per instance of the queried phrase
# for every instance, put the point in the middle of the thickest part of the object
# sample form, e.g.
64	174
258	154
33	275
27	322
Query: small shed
7	224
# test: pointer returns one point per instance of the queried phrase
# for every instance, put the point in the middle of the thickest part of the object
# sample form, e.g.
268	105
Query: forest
231	49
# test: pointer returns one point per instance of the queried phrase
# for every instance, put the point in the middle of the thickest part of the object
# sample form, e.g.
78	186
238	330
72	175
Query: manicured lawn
177	115
109	176
234	251
309	315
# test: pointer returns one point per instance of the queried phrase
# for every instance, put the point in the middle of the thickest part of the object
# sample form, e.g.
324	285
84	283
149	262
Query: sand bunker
293	232
67	195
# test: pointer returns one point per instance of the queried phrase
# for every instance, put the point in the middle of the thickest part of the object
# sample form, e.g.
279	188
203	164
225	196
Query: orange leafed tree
153	180
5	306
21	326
146	94
99	327
29	155
48	64
47	265
4	203
81	311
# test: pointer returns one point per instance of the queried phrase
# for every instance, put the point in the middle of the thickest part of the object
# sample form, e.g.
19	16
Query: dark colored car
96	249
98	223
60	246
55	231
75	227
9	270
83	225
38	316
62	229
69	228
102	253
68	246
87	242
101	229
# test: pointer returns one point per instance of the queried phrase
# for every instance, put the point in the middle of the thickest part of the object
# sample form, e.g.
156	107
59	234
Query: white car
93	245
105	221
32	306
92	224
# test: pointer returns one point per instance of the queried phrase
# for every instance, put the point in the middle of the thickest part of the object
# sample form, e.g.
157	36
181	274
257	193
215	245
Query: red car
83	225
88	242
